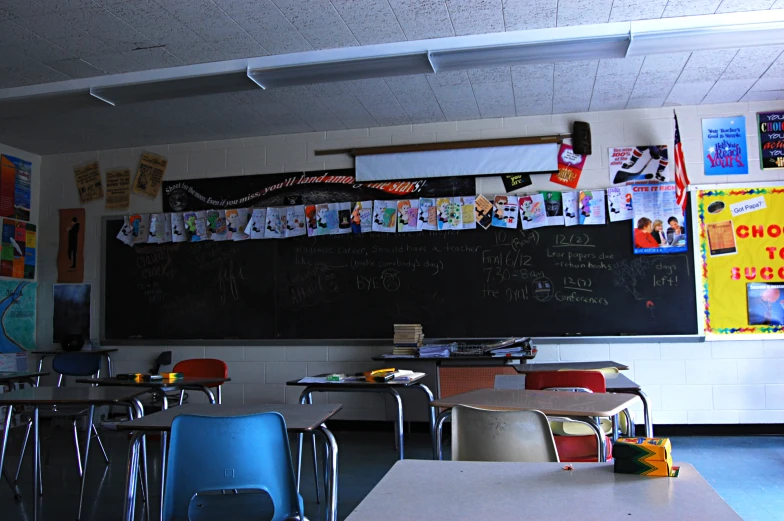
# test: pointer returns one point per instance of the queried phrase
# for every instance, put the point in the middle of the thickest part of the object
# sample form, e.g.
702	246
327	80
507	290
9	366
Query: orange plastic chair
572	448
205	368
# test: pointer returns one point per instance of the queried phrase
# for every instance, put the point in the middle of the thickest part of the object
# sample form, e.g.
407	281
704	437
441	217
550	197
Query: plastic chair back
487	435
246	454
77	364
203	367
539	380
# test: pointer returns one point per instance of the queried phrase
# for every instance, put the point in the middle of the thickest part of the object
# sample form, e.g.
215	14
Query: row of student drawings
407	215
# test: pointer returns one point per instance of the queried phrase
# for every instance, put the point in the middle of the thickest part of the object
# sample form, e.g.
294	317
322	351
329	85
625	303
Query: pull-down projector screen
518	159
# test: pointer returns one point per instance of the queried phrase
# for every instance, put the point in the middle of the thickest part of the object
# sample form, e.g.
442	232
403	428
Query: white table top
448	490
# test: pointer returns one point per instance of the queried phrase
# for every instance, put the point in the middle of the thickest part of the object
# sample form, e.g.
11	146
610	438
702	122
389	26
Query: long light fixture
703	33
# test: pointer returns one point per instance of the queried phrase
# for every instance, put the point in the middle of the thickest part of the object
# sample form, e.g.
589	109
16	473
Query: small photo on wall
71	311
766	303
721	238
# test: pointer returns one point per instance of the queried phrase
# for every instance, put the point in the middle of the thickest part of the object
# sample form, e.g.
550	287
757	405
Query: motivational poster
570	167
771	139
724	146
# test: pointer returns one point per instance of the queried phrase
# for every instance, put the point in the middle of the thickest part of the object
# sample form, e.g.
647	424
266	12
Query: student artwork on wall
724	146
15	187
658	224
17	316
619	199
258	221
71	311
88	182
505	211
571	204
532	211
384	213
70	256
362	217
553	206
468	209
771	139
484	211
18	252
149	175
640	164
591	207
407	215
428	214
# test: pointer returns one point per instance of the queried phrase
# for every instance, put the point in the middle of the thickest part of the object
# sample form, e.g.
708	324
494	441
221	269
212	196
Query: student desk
447	490
104	352
49	396
580	407
299	419
389	387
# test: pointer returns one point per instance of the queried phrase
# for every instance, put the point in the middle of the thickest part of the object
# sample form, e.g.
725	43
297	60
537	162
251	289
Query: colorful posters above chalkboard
15	179
771	139
724	146
742	267
17	316
658	222
316	187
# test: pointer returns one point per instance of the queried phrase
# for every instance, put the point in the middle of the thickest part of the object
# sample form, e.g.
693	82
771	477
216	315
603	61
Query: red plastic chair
572	448
205	368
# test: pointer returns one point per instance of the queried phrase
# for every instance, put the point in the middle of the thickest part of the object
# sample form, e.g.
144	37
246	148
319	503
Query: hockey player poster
640	164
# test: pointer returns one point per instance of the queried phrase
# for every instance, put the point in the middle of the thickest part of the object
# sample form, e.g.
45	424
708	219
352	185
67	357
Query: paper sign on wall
149	175
724	146
118	189
88	182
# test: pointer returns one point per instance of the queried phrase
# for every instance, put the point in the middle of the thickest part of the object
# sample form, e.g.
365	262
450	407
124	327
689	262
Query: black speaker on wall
581	138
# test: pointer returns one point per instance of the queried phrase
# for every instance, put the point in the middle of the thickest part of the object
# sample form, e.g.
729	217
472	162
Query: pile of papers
509	347
408	336
435	351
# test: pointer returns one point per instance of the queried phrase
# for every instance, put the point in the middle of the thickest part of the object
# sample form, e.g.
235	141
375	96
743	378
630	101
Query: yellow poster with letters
741	241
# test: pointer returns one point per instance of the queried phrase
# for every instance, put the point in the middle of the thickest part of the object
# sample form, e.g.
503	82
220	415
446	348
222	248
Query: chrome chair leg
22	453
76	446
100	444
182	396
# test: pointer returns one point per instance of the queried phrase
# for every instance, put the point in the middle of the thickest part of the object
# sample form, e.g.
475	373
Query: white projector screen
460	162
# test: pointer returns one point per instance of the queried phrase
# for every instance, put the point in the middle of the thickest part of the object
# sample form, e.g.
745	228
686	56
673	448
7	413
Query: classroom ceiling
46	41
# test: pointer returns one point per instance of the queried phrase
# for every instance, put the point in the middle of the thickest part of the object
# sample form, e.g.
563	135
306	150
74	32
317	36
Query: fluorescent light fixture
173	88
341	70
703	33
611	46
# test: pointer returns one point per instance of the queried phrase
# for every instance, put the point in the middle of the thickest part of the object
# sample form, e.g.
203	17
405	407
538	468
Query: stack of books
408	338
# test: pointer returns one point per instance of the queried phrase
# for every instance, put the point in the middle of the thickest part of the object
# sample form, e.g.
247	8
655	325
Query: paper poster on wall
178	231
295	220
770	126
384	213
505	211
514	182
658	225
742	267
532	211
149	175
640	164
257	223
15	187
17	316
70	256
275	227
591	206
484	211
427	218
619	199
88	182
468	209
71	311
362	217
724	146
571	205
570	167
18	249
553	205
118	189
407	215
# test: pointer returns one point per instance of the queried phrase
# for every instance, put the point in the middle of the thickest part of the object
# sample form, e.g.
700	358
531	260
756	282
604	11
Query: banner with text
742	259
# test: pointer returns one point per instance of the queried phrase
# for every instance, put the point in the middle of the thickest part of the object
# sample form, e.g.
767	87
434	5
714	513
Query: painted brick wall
718	382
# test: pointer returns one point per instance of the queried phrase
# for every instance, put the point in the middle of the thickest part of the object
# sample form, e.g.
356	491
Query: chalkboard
549	282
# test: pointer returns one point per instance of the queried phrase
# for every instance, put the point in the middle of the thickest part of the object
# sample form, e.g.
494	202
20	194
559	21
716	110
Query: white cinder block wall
718	382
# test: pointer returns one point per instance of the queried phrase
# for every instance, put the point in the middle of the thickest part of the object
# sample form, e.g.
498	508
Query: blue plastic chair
238	466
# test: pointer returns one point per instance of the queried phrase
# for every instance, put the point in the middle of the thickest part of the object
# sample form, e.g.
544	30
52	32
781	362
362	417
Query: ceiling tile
690	7
19	8
266	24
204	18
374	23
684	93
647	103
114	63
415	95
728	91
493	92
239	46
307	107
65	5
376	96
476	16
37	72
627	10
75	68
529	14
19	39
50	26
581	12
454	94
341	102
706	65
615	79
82	44
736	6
197	51
9	80
103	25
573	83
154	58
658	74
778	5
751	63
150	19
768	95
423	19
318	22
533	89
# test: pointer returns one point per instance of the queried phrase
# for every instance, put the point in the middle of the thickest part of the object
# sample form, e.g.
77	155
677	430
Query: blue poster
724	146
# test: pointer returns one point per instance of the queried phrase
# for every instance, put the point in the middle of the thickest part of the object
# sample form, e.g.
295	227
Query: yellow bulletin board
741	252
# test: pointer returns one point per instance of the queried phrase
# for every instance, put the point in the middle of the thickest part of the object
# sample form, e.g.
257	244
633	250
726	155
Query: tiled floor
747	472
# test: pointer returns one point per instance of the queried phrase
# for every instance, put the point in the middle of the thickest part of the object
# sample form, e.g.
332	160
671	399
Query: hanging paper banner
771	139
724	146
742	261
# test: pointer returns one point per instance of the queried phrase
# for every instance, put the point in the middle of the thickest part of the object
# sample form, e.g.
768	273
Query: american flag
681	177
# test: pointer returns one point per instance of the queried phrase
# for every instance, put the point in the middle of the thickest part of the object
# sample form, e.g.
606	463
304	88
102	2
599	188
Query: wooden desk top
48	352
70	395
19	376
448	490
620	383
554	403
299	417
358	384
557	366
186	381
